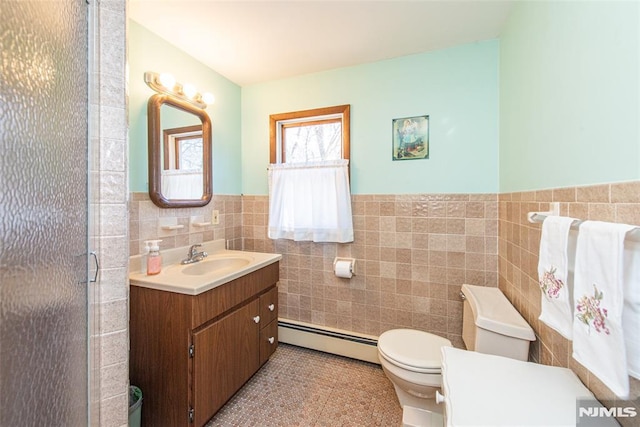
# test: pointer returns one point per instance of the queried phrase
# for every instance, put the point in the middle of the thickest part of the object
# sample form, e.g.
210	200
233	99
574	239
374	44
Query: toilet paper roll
342	268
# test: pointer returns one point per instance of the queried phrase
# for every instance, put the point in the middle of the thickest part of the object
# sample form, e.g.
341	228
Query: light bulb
189	90
167	80
208	98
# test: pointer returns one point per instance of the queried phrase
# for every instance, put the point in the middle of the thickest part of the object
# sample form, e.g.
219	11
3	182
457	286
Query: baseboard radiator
329	340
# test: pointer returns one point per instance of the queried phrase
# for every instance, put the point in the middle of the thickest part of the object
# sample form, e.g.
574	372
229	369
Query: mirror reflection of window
189	153
183	148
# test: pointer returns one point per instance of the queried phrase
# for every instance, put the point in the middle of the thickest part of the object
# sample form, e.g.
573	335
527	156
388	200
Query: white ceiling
256	41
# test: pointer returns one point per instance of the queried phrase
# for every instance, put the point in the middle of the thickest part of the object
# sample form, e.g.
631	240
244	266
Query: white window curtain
310	202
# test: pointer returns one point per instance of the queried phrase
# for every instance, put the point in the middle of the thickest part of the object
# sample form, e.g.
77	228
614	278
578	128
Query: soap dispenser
144	257
154	260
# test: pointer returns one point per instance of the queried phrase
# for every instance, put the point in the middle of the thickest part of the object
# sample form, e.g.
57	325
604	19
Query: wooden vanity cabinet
190	354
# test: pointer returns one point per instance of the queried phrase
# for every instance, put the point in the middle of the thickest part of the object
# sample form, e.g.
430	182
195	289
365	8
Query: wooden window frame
318	115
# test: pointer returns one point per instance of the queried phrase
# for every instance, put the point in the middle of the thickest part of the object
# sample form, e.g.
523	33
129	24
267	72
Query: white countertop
172	278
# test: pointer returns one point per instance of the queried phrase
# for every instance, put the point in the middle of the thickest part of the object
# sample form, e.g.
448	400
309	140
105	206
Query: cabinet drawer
269	306
268	340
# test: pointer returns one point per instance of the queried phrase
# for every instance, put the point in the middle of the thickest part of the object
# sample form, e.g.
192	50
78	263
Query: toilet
411	359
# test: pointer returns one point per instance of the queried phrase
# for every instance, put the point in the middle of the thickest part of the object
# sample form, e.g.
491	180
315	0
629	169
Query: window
309	195
310	135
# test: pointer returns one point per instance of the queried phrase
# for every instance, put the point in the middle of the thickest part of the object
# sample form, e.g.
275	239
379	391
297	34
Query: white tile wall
109	232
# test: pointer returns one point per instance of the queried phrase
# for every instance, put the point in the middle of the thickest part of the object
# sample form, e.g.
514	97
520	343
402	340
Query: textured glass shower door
43	213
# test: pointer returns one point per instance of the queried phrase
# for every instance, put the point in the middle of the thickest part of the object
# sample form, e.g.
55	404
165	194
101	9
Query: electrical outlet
215	217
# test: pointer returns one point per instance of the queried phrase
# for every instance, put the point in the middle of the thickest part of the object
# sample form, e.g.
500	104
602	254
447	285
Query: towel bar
539	217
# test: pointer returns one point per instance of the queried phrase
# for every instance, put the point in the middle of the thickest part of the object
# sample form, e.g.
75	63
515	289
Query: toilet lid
412	348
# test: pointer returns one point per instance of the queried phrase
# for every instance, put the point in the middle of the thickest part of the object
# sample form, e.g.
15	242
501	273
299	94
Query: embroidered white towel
598	337
631	311
553	275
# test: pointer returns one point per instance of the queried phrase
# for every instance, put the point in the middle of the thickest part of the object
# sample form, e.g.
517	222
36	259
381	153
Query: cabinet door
226	356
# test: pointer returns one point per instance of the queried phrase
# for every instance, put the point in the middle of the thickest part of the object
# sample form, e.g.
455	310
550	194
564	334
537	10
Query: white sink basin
214	265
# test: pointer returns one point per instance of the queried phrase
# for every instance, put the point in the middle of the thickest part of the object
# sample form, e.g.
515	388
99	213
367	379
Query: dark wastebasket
135	406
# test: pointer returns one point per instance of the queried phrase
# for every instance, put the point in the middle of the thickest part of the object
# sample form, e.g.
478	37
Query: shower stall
46	267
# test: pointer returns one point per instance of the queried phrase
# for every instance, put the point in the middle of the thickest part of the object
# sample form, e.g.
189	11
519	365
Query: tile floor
307	388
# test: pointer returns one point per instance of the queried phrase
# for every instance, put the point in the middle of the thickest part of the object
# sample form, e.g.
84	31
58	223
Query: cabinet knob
271	307
256	319
271	340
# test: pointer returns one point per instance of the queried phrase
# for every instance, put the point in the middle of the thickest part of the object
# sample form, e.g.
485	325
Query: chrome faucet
194	255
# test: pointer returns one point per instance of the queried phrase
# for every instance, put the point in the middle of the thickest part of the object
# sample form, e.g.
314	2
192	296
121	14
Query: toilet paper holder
351	261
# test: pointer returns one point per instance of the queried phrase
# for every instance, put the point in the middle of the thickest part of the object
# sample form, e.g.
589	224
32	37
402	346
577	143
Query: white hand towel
598	337
553	275
631	311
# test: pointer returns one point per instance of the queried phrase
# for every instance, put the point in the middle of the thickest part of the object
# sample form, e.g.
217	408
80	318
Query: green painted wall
456	87
147	52
554	103
569	94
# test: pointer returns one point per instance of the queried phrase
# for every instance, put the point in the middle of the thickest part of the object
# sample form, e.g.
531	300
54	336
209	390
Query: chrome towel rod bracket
554	210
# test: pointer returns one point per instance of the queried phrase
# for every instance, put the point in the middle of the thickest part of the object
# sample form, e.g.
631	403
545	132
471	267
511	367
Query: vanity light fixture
165	83
167	80
208	98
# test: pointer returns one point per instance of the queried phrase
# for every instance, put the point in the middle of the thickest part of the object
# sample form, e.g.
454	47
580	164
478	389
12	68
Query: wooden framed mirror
179	140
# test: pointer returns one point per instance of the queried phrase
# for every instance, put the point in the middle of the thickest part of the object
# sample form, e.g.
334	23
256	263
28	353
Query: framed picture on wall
411	138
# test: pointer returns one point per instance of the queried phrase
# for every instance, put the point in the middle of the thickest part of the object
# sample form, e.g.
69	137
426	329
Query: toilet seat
413	350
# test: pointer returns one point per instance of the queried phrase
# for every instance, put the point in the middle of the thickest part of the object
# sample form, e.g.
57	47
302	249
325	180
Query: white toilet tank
490	324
